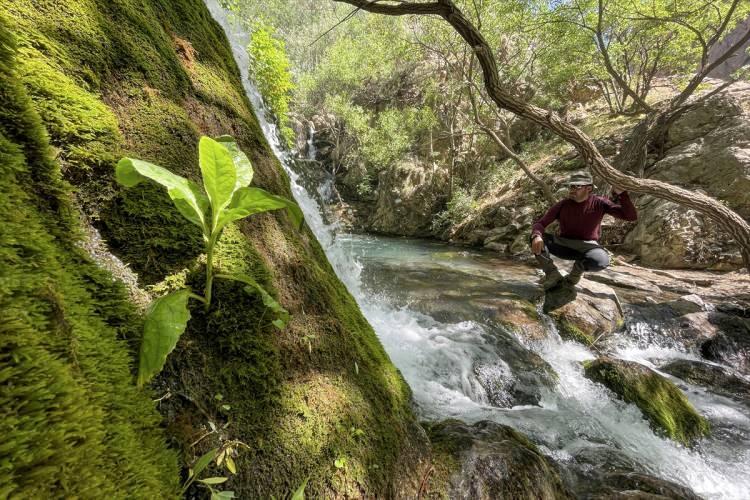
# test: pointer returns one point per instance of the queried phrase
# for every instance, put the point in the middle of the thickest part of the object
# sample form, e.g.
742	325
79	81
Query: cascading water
447	362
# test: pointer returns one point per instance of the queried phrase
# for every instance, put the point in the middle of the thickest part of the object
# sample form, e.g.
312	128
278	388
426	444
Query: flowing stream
431	306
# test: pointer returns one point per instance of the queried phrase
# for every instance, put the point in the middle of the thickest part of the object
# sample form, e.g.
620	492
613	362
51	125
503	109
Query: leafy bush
227	173
270	67
460	206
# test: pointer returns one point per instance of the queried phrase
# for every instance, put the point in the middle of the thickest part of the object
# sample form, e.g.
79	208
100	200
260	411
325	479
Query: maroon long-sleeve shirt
582	221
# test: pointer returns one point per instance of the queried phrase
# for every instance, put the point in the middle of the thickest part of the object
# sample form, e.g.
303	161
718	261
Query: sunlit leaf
185	194
250	200
231	465
242	164
222	495
219	174
213	480
166	319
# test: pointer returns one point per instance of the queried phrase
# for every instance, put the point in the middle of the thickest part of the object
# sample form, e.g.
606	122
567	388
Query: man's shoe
551	279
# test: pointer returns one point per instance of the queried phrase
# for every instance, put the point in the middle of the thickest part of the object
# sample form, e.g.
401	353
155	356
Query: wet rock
521	317
731	345
492	461
717	379
523	378
497	247
641	486
661	402
595	312
605	473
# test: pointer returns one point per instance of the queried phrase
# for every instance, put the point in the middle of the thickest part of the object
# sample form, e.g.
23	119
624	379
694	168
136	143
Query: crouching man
580	218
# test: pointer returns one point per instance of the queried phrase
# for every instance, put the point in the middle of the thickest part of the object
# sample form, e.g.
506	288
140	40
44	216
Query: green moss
662	403
570	331
73	423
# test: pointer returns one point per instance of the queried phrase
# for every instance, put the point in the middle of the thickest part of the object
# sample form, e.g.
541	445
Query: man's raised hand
537	244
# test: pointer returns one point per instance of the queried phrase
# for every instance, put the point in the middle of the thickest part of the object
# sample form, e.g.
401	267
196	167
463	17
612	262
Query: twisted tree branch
729	220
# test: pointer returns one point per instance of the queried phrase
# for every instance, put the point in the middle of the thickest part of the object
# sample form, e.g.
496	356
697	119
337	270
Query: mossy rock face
73	423
100	79
490	461
661	402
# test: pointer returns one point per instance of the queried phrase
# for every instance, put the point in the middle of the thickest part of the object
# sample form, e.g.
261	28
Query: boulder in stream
717	379
662	402
594	312
488	460
600	472
732	344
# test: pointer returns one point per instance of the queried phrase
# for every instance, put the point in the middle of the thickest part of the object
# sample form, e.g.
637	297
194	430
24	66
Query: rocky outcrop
492	461
662	403
408	196
708	150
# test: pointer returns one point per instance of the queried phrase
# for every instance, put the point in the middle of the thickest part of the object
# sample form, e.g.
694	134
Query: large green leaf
241	163
185	194
249	200
203	462
282	315
219	174
166	319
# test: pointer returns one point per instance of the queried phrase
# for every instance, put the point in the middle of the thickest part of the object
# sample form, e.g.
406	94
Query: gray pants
587	254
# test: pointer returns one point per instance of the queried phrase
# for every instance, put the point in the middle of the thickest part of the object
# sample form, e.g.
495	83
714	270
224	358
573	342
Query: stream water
431	306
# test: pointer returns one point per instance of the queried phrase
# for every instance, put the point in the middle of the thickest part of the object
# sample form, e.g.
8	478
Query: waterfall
437	358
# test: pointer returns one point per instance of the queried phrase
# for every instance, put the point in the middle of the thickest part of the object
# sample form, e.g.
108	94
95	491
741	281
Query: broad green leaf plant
225	197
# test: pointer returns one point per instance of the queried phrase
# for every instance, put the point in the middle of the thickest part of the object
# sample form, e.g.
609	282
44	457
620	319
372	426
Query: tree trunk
730	221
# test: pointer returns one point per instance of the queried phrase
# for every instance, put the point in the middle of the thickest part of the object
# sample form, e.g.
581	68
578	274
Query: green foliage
166	319
226	172
380	139
460	206
641	40
270	68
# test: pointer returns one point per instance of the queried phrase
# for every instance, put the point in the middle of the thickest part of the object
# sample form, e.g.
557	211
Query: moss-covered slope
72	422
319	400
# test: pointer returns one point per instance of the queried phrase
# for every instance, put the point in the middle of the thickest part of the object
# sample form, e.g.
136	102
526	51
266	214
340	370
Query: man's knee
596	260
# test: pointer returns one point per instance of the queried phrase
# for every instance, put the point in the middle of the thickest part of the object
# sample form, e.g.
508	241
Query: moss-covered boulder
101	79
662	403
490	461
